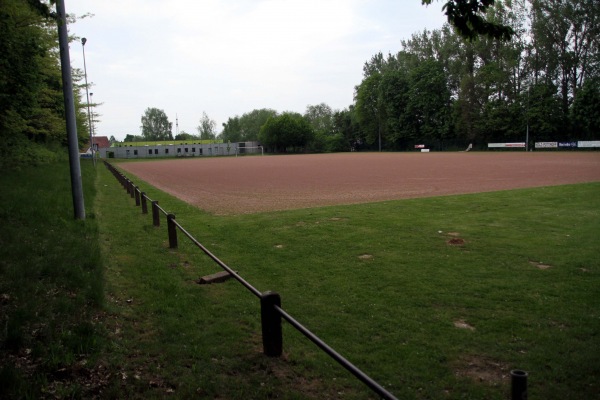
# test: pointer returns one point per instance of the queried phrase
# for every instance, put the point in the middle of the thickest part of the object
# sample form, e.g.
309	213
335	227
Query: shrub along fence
270	302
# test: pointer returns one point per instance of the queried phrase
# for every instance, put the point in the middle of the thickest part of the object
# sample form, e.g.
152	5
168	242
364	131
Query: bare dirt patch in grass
461	324
482	369
540	265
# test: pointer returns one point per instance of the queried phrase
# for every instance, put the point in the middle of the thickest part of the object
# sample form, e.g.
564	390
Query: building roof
101	142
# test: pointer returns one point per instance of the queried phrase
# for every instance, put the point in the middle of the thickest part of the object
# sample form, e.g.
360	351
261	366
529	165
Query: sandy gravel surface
230	185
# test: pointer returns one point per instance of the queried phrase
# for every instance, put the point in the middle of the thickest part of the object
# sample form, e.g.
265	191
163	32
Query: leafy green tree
320	118
232	130
468	17
134	138
22	50
428	102
566	38
395	96
502	122
370	108
586	113
156	125
543	110
185	136
347	134
288	130
246	127
207	128
443	87
31	99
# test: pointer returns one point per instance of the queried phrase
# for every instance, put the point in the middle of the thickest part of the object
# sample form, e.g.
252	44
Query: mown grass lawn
433	298
51	284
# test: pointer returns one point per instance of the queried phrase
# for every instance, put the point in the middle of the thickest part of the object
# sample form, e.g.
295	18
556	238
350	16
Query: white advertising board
546	145
506	145
588	143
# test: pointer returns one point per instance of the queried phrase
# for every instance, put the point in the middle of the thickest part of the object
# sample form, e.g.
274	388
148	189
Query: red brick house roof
100	142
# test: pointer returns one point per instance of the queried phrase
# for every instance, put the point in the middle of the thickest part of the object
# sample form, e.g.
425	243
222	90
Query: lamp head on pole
83	40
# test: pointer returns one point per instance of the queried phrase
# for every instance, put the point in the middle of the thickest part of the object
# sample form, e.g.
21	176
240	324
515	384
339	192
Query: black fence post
172	231
126	185
271	324
518	383
144	204
155	213
137	196
131	190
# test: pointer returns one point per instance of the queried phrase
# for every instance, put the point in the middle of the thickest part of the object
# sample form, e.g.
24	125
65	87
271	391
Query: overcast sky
229	57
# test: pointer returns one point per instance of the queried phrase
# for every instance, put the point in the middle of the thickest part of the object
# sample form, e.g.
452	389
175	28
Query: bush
17	152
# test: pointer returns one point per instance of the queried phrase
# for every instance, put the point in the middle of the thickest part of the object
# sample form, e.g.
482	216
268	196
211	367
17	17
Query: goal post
248	150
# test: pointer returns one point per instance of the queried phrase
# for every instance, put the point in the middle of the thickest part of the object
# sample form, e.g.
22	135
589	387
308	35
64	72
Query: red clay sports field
233	185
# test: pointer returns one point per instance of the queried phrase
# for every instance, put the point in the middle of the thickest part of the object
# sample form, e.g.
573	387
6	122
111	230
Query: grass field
381	284
434	298
51	284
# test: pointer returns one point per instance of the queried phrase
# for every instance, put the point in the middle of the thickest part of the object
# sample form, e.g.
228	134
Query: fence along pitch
271	311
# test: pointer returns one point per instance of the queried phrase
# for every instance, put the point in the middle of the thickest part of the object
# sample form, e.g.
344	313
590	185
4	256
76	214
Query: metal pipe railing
372	384
271	310
241	280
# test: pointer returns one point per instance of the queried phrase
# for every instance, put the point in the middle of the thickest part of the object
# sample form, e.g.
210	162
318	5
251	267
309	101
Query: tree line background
442	90
32	115
447	89
500	69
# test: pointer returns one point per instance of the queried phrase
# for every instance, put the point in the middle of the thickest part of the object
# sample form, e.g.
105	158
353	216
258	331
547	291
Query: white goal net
249	150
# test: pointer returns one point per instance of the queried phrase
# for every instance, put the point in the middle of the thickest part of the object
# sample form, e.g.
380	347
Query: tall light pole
65	66
87	92
92	105
527	120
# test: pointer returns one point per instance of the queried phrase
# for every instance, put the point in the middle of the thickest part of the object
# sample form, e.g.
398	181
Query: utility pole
527	117
83	41
92	106
65	66
379	128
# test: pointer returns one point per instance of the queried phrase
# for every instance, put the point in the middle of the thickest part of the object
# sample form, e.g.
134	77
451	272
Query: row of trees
319	129
32	116
156	126
439	89
322	129
32	126
442	89
446	91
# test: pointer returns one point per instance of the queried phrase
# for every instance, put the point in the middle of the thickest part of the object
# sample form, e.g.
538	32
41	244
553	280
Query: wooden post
271	324
172	231
137	196
144	204
155	213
